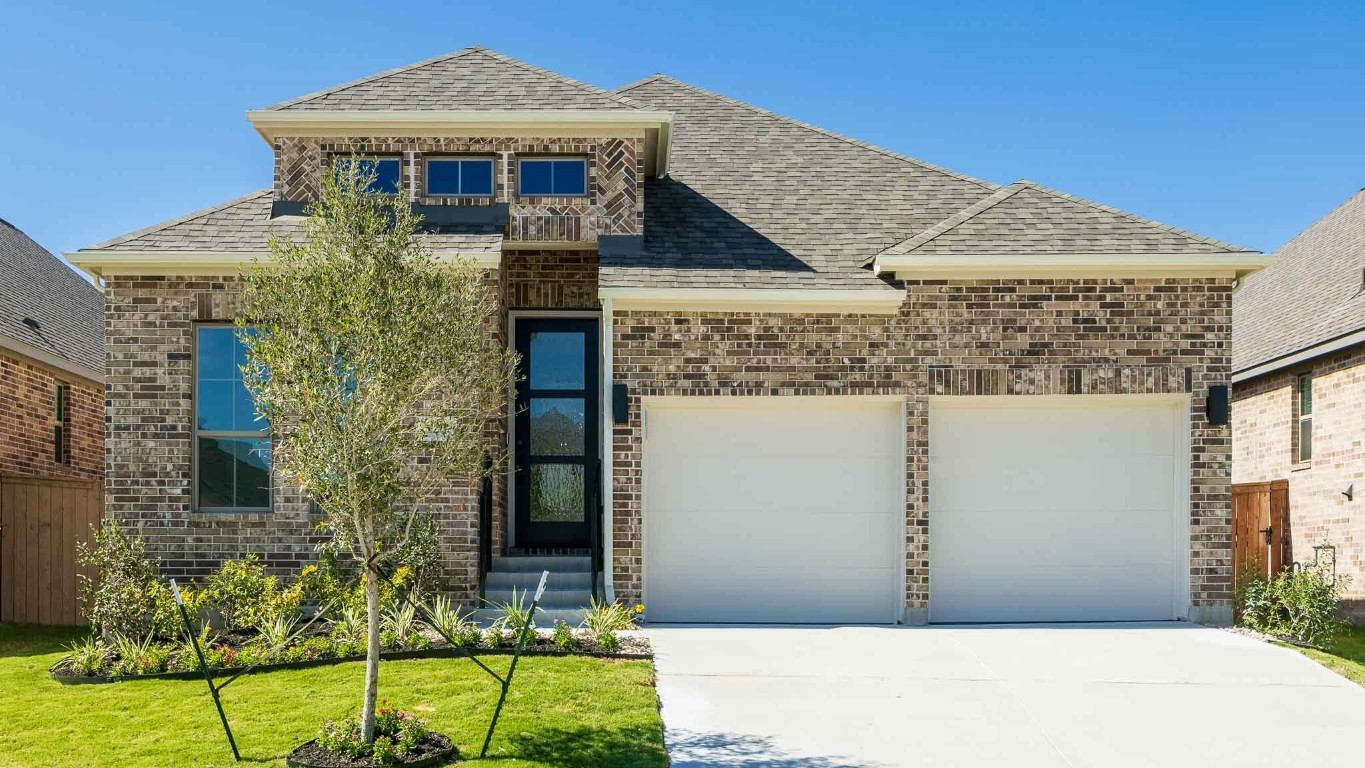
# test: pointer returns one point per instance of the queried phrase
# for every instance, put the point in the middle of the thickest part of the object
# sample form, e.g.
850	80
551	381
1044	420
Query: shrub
279	630
564	639
515	616
400	623
128	598
396	735
444	616
603	620
88	657
1299	605
246	597
420	555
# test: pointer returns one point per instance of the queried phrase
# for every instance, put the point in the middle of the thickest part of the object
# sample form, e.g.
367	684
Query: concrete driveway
1082	695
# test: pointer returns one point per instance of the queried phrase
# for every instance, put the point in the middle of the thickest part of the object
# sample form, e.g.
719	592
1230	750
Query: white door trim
1180	403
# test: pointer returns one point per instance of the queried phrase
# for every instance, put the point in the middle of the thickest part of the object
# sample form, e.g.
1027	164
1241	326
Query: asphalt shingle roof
471	78
1312	292
754	199
1027	219
244	226
35	284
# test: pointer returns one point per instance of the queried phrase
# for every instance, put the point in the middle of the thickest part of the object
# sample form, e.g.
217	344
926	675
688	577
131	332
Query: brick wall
28	421
616	175
150	324
1026	337
1265	422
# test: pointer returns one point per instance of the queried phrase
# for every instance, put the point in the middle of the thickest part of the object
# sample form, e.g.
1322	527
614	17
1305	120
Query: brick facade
614	206
1265	435
29	416
977	337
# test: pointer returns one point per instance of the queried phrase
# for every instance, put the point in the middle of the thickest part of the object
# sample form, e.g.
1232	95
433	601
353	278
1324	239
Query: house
787	376
1298	358
51	428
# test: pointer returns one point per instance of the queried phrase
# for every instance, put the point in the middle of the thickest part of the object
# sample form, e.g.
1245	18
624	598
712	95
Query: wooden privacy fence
1260	528
41	519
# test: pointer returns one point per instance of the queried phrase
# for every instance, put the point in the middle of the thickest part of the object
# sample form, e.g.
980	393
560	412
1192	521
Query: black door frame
524	532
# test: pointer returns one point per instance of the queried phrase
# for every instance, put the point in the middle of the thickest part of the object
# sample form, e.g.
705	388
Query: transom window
1305	387
539	177
232	445
459	176
386	171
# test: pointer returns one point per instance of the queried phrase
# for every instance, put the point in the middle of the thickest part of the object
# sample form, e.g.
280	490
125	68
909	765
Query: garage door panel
1034	482
773	510
1050	511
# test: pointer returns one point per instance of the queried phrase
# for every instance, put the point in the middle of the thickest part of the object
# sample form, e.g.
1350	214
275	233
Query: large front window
232	445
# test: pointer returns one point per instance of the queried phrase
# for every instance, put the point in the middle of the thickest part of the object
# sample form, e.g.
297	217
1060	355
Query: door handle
1268	531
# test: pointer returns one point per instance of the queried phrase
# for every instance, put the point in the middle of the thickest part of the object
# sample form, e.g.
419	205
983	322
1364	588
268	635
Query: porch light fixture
620	403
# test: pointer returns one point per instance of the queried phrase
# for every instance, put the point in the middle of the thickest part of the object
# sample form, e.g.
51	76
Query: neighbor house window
232	445
544	177
459	177
1305	425
62	432
386	172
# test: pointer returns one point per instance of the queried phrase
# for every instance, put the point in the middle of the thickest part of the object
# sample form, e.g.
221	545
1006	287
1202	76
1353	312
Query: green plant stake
516	655
204	667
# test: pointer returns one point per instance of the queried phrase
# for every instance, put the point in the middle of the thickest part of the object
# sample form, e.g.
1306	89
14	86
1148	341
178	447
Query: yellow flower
639	607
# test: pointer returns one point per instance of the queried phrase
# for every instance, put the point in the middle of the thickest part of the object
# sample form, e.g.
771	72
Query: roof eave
1300	356
885	301
1071	265
51	360
99	264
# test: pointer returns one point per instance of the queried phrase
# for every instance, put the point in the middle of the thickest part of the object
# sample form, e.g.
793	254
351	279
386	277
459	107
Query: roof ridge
173	222
954	221
1136	218
1302	233
817	129
473	49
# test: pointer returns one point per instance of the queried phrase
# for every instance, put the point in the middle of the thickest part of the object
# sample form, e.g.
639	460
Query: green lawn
574	712
1346	656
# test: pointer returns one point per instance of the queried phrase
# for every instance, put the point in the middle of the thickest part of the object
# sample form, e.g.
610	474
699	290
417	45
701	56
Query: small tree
379	372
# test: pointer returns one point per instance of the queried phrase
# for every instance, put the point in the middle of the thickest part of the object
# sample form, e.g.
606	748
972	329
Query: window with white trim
386	172
231	443
1304	387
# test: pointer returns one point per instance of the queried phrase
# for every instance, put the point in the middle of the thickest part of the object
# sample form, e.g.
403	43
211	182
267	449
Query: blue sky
1241	121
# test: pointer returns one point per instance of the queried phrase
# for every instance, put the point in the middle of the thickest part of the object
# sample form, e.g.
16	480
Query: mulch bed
435	749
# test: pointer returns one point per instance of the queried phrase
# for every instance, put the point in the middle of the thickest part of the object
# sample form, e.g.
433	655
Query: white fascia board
868	302
546	122
1005	265
102	263
1304	355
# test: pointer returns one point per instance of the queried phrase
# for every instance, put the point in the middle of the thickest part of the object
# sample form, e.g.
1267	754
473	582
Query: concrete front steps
568	591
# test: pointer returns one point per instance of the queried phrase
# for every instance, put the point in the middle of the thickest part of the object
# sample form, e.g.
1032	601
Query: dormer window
386	172
459	177
544	177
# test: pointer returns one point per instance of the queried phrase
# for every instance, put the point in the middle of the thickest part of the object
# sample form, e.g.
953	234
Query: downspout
608	418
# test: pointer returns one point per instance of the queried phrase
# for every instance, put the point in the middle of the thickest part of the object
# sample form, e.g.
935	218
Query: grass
573	712
1346	655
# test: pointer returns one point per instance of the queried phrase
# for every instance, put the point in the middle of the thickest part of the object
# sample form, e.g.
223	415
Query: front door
556	432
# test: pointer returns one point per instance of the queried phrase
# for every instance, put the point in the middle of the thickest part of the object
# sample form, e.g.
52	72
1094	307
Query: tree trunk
371	656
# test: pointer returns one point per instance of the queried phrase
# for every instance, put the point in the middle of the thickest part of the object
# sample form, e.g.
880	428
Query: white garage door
769	509
1055	509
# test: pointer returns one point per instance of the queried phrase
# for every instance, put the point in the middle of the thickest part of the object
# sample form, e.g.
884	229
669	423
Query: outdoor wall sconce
1216	406
1350	492
620	403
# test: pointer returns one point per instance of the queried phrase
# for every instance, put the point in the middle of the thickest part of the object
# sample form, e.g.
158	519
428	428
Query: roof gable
473	78
69	311
1313	292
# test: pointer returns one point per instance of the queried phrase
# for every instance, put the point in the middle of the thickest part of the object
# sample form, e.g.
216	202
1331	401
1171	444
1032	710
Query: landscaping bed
633	645
435	749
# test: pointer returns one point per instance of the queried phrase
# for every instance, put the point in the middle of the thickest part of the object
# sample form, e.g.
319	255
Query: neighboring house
772	373
51	427
1299	389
